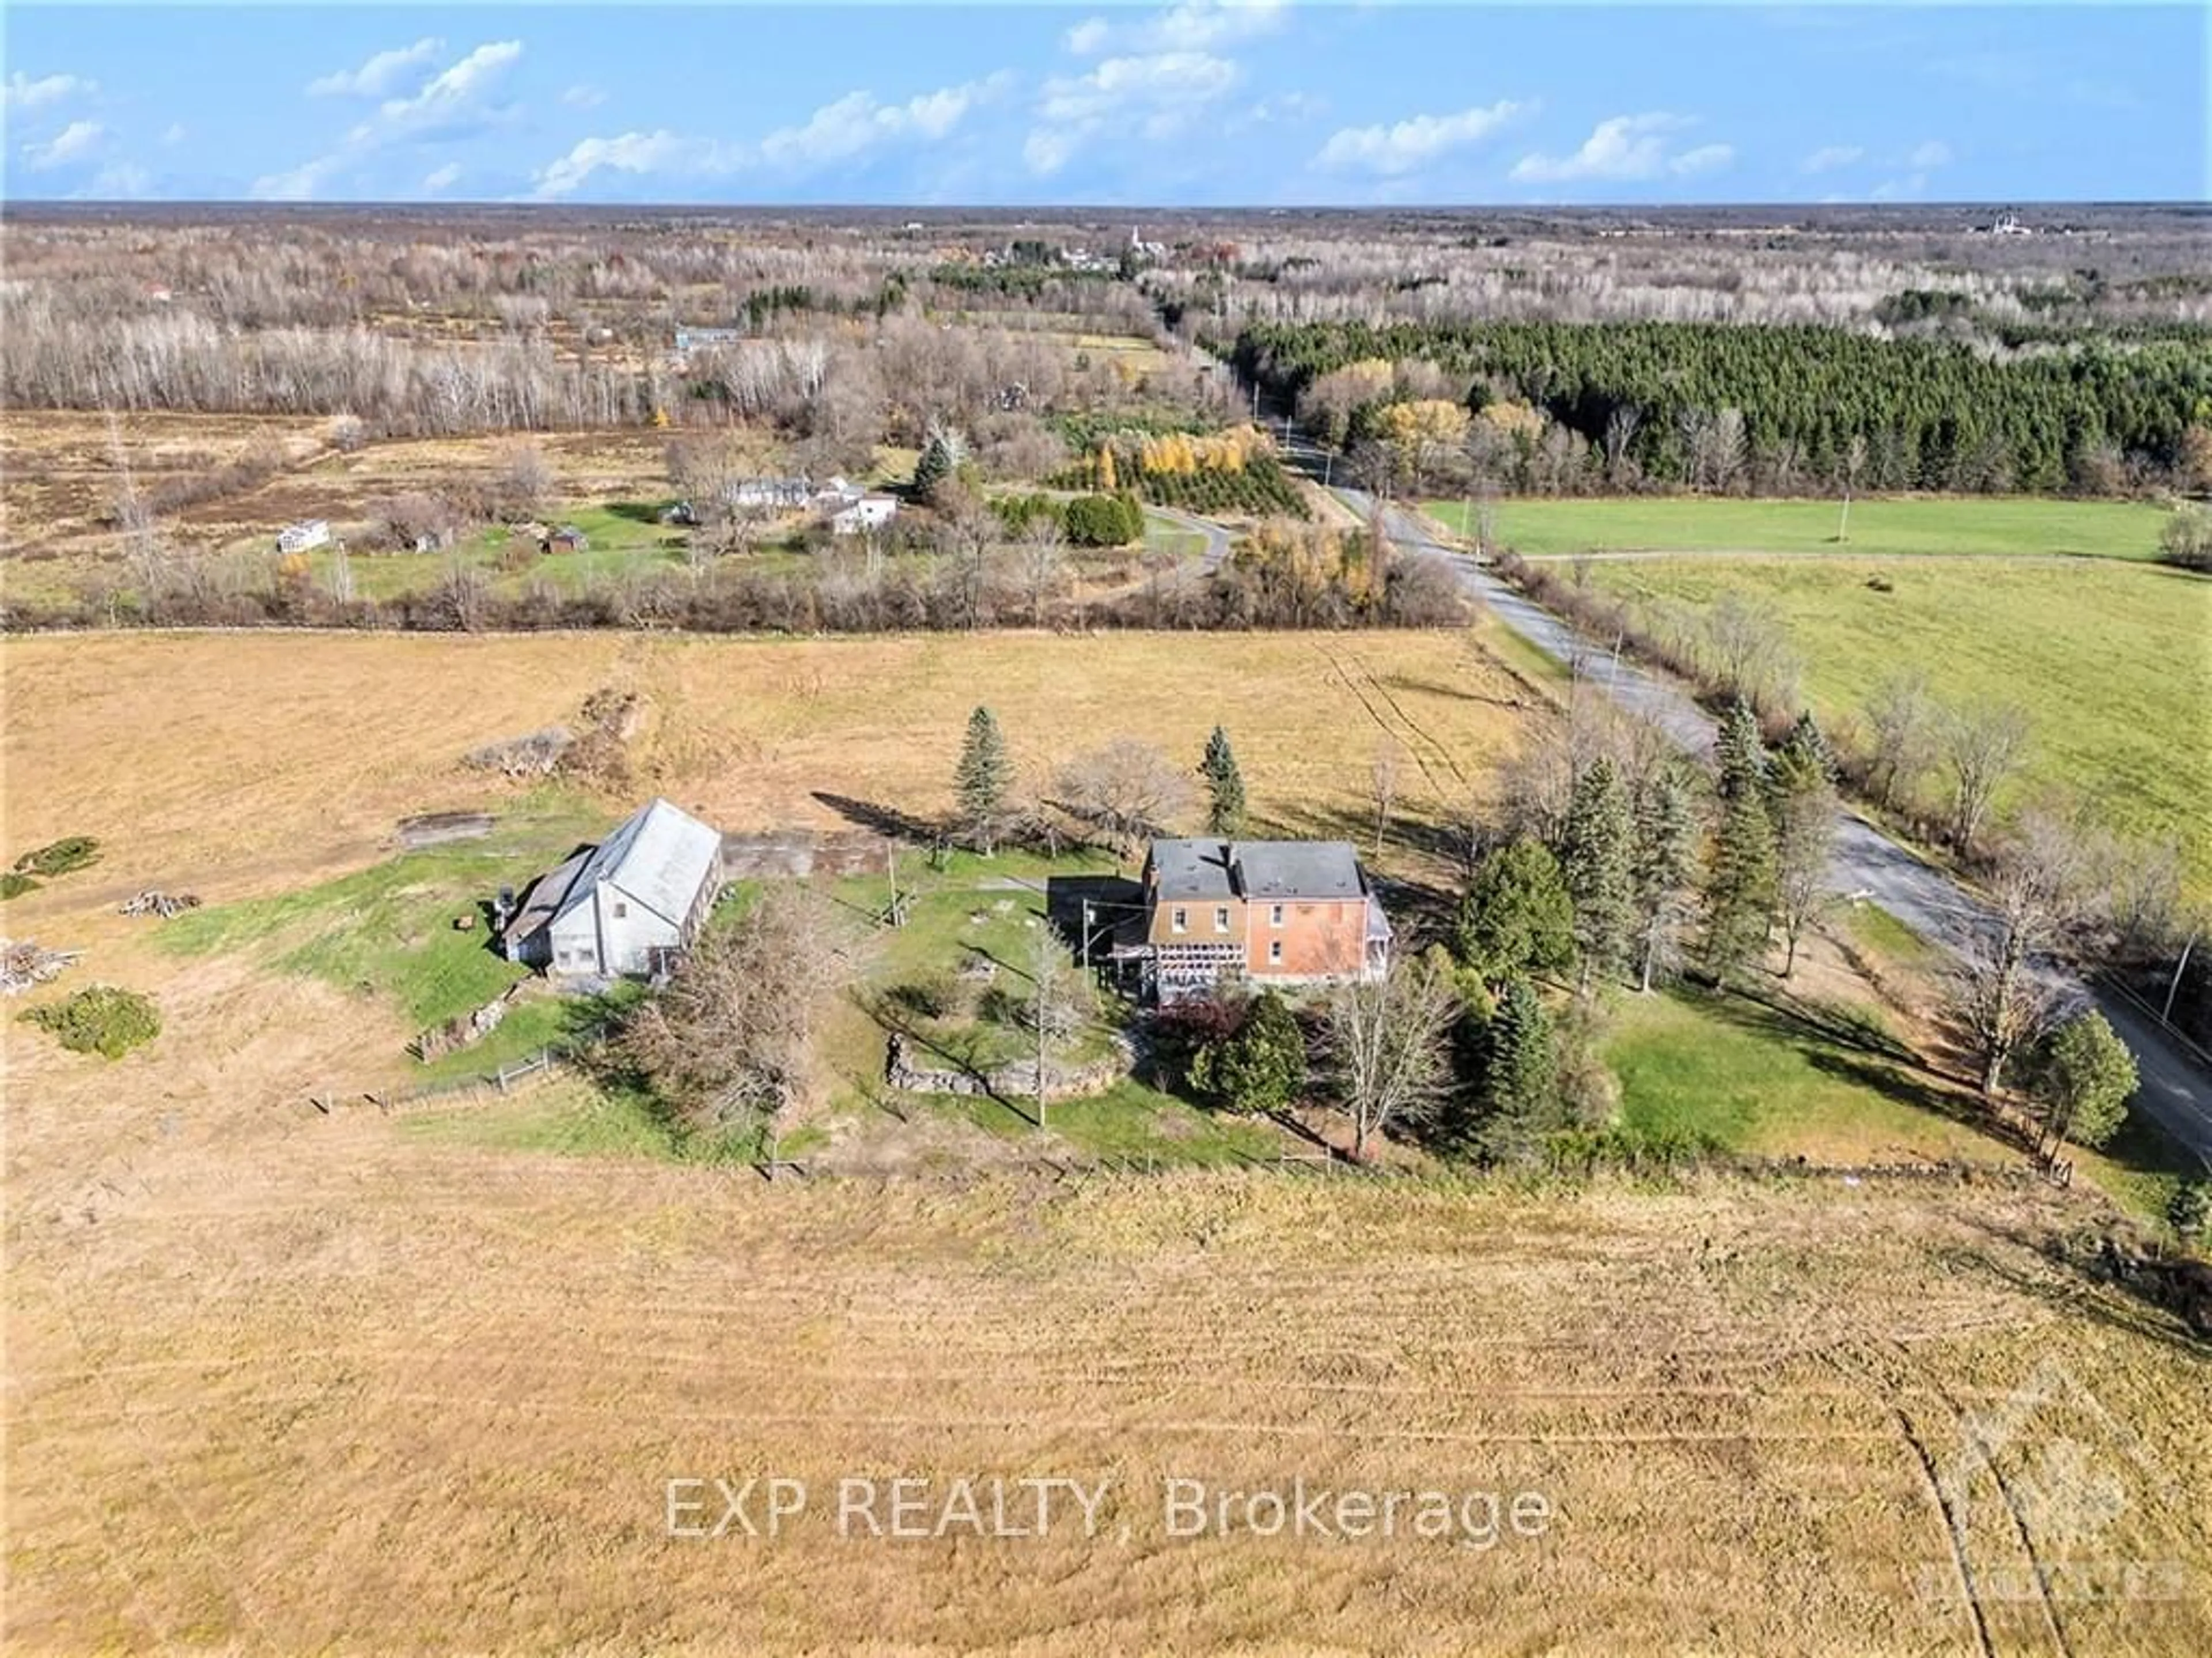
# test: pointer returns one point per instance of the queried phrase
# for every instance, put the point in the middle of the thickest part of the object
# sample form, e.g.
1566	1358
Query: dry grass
58	481
279	1381
230	764
328	1388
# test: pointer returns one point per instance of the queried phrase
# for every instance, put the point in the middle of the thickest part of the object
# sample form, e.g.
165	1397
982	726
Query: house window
622	909
1221	918
1274	952
1274	915
1178	919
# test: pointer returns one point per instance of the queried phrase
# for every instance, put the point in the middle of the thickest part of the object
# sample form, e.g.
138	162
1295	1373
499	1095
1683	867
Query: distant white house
298	538
867	513
787	493
626	907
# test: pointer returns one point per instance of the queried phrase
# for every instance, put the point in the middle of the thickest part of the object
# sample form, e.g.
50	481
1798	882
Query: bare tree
2037	894
1042	558
1384	1043
728	1043
1906	733
1382	782
1982	749
1128	789
1057	1005
523	478
1621	429
1750	649
1804	835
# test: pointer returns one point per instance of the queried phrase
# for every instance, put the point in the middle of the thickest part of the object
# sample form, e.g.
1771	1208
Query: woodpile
24	964
163	904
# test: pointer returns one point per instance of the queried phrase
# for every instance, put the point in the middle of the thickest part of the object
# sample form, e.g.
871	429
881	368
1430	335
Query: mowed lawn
2113	663
1879	526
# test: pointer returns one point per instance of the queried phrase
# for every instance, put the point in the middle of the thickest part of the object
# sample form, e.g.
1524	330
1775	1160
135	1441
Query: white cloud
72	143
1197	24
118	181
1415	141
1189	26
851	126
1625	149
635	152
1158	94
1899	189
456	86
1832	156
20	92
856	123
175	134
379	74
453	103
443	179
583	97
1933	153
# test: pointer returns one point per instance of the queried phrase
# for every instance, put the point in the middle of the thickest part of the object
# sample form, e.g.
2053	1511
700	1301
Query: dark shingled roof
1203	871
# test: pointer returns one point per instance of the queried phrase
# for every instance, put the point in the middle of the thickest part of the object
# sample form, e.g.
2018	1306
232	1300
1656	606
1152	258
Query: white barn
865	512
626	907
298	538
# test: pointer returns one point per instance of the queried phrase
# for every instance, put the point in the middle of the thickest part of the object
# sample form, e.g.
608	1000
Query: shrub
2190	1208
62	857
102	1019
14	885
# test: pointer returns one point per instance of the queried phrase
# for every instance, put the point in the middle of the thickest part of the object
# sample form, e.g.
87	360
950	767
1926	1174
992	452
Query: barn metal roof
660	856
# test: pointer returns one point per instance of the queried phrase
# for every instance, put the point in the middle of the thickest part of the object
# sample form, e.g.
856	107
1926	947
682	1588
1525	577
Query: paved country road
1867	865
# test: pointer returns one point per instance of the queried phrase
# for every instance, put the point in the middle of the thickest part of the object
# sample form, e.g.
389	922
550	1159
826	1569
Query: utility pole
2166	1017
1086	936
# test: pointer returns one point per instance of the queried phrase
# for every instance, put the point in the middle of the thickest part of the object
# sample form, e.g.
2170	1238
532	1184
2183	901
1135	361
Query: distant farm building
626	907
1262	912
298	538
566	539
784	494
688	340
866	513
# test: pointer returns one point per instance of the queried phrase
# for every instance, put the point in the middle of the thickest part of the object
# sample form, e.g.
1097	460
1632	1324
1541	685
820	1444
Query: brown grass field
58	480
279	1381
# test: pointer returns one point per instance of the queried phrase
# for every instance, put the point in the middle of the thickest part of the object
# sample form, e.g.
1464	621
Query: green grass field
388	930
2111	662
1880	527
1823	1082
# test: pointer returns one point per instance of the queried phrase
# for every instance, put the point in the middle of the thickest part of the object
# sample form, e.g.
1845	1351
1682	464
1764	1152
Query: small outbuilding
629	907
298	538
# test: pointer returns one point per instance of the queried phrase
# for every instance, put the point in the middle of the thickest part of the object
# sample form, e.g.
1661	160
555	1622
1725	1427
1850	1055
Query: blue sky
1203	102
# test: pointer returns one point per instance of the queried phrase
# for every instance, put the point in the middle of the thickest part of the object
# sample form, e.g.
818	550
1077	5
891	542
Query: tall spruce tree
981	780
1739	886
1597	858
1801	799
1515	1095
1225	786
1517	917
1665	870
1738	753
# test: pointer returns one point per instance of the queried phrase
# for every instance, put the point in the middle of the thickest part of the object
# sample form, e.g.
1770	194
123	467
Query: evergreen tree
1514	1093
1225	786
981	780
1596	856
1262	1068
1801	799
1739	886
2082	1076
1517	917
1738	753
1665	868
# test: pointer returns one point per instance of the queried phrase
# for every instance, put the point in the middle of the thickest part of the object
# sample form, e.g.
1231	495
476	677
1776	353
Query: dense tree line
1907	413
